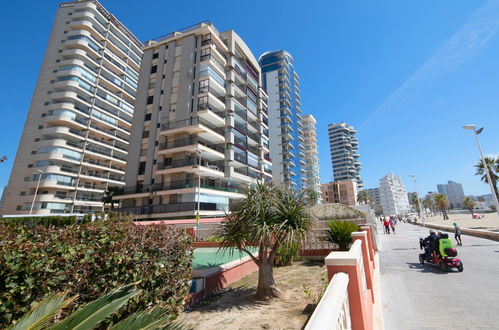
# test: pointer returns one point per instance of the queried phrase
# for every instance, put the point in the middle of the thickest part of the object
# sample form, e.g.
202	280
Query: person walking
386	225
457	234
392	224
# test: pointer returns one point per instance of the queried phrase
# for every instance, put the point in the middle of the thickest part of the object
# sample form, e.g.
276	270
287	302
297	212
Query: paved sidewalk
423	297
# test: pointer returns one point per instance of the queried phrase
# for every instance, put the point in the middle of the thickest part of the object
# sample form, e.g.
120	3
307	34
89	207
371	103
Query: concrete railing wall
472	232
357	265
333	310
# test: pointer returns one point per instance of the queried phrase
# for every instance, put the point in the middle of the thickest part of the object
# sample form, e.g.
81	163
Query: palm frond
97	311
152	318
43	312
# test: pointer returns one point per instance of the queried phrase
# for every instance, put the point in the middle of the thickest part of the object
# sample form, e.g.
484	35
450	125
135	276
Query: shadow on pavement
425	268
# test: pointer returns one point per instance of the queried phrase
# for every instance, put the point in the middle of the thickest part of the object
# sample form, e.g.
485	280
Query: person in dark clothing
457	234
431	245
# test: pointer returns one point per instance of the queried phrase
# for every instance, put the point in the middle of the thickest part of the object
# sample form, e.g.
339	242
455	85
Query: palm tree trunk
266	284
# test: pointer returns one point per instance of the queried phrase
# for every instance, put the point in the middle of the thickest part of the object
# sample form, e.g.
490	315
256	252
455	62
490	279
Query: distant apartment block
454	193
344	153
311	154
76	136
393	196
200	127
280	81
343	192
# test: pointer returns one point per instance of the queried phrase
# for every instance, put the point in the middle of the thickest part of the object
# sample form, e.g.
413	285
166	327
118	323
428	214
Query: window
19	207
154	69
155	55
142	168
204	86
150	99
30	165
23	193
148	117
145	134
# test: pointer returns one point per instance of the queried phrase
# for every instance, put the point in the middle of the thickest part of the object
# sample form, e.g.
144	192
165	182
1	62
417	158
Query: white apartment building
311	154
344	153
200	127
393	196
76	135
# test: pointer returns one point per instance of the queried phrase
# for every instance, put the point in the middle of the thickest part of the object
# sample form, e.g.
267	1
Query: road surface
418	296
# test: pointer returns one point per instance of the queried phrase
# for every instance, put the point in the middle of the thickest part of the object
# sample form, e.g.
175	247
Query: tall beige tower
200	129
76	136
311	154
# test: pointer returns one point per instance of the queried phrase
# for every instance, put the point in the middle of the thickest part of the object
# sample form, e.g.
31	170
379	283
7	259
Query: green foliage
287	253
47	221
315	294
469	203
90	259
94	313
340	232
213	238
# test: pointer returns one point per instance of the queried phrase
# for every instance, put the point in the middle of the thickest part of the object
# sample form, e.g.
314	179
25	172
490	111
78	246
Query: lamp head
470	127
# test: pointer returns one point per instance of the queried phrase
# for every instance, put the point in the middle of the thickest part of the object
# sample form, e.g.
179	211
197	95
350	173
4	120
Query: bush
213	238
340	232
53	220
287	253
91	259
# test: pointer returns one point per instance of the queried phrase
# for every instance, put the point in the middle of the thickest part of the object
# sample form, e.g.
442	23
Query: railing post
368	264
351	262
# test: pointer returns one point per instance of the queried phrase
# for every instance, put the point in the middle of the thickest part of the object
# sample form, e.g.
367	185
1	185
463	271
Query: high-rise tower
280	81
76	136
200	126
311	154
344	157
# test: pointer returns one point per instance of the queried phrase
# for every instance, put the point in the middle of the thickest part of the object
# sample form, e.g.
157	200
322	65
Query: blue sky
407	74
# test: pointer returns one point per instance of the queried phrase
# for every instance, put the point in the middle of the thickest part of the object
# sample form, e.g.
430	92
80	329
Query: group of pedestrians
389	223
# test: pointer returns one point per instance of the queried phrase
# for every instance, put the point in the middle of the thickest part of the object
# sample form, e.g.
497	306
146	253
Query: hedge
91	259
52	220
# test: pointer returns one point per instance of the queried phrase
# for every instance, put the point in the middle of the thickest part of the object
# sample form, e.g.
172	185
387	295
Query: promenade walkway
423	297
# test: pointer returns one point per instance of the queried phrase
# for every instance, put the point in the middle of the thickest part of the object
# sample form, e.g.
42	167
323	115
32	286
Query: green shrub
52	220
340	232
213	238
287	253
89	260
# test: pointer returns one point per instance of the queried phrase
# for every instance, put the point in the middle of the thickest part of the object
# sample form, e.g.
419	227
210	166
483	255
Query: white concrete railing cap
346	258
328	310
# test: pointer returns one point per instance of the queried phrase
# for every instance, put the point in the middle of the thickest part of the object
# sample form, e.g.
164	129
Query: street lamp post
199	189
476	132
40	172
423	212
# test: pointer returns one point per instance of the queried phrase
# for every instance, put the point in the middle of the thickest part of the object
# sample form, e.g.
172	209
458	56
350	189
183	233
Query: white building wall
393	196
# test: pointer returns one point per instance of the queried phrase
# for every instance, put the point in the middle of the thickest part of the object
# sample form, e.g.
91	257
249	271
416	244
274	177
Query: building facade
343	192
280	81
311	154
76	136
454	193
200	127
393	196
344	153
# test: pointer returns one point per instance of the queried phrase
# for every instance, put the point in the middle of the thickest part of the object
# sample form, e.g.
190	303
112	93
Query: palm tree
442	204
363	197
110	193
268	217
469	204
340	232
493	166
415	201
428	203
312	197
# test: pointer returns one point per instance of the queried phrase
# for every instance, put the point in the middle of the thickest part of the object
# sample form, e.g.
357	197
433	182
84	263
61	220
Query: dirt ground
489	222
236	307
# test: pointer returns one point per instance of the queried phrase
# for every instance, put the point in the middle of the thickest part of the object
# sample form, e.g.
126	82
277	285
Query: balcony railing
188	142
218	166
166	208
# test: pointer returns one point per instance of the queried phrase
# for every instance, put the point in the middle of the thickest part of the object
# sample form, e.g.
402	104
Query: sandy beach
490	221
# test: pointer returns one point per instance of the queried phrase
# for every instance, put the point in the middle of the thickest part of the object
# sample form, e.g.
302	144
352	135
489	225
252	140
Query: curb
471	232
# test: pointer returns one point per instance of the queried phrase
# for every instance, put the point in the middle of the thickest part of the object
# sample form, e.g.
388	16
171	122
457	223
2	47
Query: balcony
191	165
194	126
211	115
209	151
